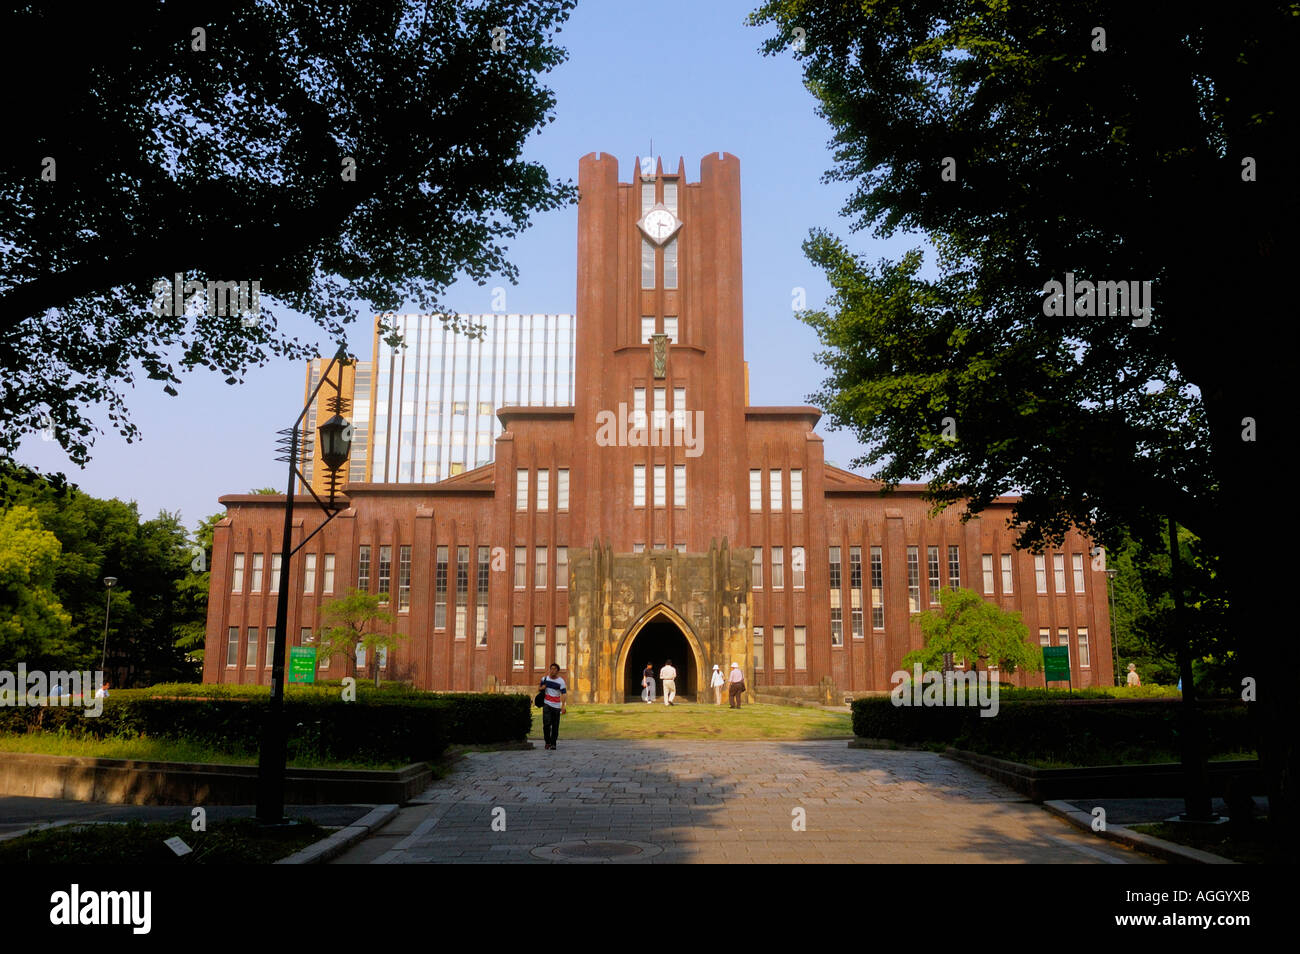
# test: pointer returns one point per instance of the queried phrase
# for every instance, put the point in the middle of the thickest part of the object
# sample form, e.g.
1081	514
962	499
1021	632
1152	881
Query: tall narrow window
328	586
638	485
679	408
660	420
778	568
757	582
679	485
1085	660
439	589
309	574
914	579
670	328
932	573
539	647
539	568
543	490
798	567
796	490
800	648
462	590
1040	572
670	195
877	589
521	567
774	490
837	609
481	602
954	568
363	569
361	657
647	196
647	263
1044	636
647	329
518	647
855	591
562	646
1058	572
986	568
277	561
232	647
237	578
758	649
250	656
755	491
1077	560
778	647
661	485
521	489
561	568
1006	574
670	264
638	407
257	572
270	647
562	488
404	577
1063	637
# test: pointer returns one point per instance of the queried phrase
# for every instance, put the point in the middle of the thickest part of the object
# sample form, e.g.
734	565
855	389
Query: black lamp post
336	441
1114	644
109	583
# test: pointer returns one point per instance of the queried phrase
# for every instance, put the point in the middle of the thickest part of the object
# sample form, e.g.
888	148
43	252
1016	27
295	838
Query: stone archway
661	633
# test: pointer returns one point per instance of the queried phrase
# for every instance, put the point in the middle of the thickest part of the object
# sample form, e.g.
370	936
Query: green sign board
302	663
1056	663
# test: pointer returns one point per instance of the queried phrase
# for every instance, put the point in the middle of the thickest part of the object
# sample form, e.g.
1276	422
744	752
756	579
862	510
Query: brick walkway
687	801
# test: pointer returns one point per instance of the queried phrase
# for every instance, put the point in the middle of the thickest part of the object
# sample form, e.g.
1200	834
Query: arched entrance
656	638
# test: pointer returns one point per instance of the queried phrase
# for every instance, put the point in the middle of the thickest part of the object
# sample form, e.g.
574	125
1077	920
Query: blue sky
699	86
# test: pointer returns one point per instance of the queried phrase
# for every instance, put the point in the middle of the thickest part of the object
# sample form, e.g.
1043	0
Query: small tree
346	621
971	628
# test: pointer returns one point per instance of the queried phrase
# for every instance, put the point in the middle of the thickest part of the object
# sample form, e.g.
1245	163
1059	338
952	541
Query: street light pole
1114	644
109	583
336	438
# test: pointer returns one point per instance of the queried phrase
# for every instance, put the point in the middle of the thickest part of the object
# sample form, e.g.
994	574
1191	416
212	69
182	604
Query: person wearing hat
737	681
715	683
1133	678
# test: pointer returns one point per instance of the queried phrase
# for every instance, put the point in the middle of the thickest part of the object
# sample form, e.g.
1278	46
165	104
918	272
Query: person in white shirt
668	676
1133	678
553	705
715	683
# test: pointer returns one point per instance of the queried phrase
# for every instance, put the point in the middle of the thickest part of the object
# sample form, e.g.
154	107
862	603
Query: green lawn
684	720
145	749
235	841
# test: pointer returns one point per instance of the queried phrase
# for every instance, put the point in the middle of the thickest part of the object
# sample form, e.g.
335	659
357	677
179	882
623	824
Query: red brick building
659	516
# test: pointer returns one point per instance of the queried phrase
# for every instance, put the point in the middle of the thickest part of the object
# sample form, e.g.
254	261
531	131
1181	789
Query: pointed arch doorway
658	636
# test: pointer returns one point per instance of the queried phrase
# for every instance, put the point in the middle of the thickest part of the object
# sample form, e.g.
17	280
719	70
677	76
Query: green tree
338	154
973	629
34	628
192	593
346	624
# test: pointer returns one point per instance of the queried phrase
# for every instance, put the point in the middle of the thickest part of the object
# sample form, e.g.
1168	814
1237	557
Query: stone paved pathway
668	801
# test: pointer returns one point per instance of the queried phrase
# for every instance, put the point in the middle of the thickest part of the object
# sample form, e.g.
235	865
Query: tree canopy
973	629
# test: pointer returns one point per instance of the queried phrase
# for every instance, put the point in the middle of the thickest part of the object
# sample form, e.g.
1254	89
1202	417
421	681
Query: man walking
553	704
668	675
737	680
648	684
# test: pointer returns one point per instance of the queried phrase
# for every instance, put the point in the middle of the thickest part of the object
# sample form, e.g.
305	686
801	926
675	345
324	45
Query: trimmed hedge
1077	733
380	725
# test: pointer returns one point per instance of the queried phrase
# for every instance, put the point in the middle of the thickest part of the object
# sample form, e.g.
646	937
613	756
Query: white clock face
659	225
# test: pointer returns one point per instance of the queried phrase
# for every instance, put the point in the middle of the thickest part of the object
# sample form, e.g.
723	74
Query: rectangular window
679	485
774	490
363	569
778	647
877	589
270	647
796	490
757	582
647	196
954	568
661	485
309	574
638	407
679	409
638	548
539	647
232	647
914	579
385	574
562	646
258	559
1063	637
758	648
680	547
798	566
328	586
1058	572
480	625
670	264
670	195
986	566
404	577
277	561
462	589
480	603
778	568
855	591
519	647
1006	574
381	654
561	568
250	655
647	263
660	419
932	571
1040	572
1085	661
1044	636
539	568
562	488
647	329
1076	559
361	657
521	489
638	485
521	567
800	648
670	328
543	491
237	575
755	491
837	609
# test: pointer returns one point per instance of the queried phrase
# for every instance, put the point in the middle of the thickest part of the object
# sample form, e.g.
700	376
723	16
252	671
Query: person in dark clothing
553	705
648	684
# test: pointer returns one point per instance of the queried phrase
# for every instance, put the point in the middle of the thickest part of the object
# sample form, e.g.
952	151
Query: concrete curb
1147	844
344	838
